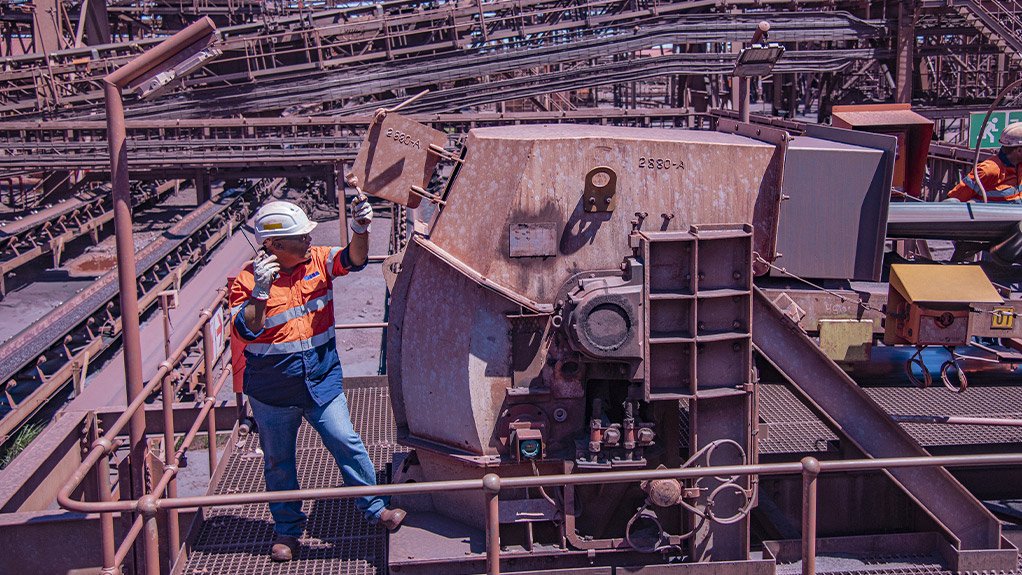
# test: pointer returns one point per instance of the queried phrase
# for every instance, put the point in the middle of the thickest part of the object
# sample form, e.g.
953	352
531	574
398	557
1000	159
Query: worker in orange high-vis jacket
998	173
282	305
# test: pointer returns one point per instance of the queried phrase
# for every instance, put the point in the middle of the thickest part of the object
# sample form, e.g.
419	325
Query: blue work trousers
278	435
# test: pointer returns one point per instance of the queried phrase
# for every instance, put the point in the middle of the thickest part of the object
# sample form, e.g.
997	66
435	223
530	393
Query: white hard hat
1012	135
278	219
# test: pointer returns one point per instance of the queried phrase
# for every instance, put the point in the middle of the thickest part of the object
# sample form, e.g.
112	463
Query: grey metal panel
834	224
953	221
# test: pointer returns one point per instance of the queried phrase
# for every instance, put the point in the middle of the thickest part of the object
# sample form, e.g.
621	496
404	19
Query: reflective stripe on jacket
294	356
999	180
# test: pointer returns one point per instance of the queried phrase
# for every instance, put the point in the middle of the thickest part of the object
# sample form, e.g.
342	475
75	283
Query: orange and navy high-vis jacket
1000	180
293	360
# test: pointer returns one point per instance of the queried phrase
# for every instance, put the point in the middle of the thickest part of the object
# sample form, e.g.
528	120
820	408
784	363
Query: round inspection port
560	414
608	326
530	449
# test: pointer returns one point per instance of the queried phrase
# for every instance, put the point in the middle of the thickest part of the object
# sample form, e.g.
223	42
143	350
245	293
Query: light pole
755	60
173	58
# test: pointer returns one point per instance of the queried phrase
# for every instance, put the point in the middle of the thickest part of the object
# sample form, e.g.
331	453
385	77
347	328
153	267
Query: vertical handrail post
491	488
165	308
169	449
110	566
207	363
147	505
810	473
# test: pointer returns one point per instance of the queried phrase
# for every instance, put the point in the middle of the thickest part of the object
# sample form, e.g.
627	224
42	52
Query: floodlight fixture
169	79
758	60
174	55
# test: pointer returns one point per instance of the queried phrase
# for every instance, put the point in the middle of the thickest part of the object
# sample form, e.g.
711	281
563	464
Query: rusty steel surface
39	336
370	422
545	168
395	156
50	230
678	178
769	200
245	144
512	341
515	317
542	288
311	38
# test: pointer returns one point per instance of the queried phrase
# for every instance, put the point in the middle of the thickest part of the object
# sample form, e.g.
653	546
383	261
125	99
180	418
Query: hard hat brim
307	229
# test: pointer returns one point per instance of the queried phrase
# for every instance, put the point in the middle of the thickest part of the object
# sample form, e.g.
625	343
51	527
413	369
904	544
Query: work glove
361	214
265	269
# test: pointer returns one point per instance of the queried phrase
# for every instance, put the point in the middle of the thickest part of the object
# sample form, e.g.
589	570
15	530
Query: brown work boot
391	518
284	548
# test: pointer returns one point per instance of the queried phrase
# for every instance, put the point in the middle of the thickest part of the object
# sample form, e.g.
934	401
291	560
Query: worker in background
998	174
282	305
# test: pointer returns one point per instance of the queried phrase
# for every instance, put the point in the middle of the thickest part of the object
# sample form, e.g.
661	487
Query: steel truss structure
299	58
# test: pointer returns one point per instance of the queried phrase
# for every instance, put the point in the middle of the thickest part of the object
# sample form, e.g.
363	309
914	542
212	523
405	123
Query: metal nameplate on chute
533	239
600	187
395	156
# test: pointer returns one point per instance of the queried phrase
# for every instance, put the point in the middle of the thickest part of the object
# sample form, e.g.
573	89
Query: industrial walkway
237	539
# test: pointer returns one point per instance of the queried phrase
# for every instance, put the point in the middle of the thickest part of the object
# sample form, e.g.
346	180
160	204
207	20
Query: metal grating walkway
236	539
881	565
794	428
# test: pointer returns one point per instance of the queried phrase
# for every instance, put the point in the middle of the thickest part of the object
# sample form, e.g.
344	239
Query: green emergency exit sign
992	133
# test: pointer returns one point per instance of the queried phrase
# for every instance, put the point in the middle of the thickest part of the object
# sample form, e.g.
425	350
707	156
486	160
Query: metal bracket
600	188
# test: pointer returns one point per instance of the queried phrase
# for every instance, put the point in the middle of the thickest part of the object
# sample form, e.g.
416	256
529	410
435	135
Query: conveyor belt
19	351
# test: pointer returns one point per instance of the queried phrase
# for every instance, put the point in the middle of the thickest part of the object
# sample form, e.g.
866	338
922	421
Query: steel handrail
114	555
149	504
491	484
560	480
